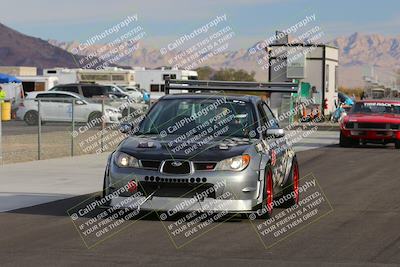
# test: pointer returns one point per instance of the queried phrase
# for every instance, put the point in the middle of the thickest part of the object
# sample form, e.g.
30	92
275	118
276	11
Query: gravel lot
24	147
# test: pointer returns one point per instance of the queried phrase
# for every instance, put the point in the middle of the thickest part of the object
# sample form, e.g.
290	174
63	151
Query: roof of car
75	84
245	98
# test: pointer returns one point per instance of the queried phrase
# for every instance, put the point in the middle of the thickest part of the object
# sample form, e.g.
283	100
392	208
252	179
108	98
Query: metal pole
39	130
129	109
1	139
73	126
102	125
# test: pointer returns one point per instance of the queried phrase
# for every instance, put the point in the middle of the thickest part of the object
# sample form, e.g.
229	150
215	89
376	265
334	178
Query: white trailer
105	76
153	80
38	83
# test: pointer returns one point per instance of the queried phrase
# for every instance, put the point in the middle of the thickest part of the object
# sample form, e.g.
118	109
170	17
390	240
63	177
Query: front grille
204	166
185	190
394	126
176	167
150	164
367	125
350	125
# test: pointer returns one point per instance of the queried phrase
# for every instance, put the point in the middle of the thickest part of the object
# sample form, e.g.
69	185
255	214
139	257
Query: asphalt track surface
362	184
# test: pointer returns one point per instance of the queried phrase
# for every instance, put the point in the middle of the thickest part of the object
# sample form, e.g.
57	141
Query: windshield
181	116
376	108
123	89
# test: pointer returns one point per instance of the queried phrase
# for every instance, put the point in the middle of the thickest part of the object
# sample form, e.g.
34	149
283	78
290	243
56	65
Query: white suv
57	106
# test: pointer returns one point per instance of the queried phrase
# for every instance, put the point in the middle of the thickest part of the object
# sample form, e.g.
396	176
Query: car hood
151	147
376	118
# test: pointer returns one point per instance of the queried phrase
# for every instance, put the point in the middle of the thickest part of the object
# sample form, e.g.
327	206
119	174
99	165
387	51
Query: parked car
129	91
57	106
90	90
138	93
111	94
371	121
158	161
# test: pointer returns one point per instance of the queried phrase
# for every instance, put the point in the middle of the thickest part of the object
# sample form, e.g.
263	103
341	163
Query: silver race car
204	152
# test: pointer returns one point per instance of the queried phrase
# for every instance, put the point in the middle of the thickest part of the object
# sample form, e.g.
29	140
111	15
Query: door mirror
275	132
126	128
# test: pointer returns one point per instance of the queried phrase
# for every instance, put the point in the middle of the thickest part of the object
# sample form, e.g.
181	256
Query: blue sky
164	21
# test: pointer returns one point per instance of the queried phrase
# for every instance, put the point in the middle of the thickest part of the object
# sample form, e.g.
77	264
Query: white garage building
315	64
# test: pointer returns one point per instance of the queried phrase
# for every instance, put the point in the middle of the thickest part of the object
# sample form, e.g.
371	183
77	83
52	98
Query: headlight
124	160
238	163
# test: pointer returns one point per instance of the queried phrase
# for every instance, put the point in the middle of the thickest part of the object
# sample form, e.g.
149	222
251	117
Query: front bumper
372	134
113	118
231	191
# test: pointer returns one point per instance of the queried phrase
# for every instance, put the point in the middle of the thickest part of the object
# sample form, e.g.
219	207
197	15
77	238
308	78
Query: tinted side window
45	97
65	96
110	89
91	91
72	89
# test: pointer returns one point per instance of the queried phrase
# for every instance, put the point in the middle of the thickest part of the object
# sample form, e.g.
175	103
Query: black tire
95	118
345	141
364	142
397	144
291	187
31	118
125	113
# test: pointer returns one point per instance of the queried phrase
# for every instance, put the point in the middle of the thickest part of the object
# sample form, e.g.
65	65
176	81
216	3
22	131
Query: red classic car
371	121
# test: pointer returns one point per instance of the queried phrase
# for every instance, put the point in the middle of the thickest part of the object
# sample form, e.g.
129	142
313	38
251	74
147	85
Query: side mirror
276	133
126	128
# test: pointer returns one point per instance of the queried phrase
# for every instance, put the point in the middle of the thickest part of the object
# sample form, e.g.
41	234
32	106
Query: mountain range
356	52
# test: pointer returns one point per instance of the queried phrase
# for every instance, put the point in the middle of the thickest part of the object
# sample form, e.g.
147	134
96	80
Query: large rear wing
206	85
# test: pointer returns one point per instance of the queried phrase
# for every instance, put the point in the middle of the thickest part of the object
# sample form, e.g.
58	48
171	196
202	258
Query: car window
72	89
46	97
179	116
376	108
64	96
91	91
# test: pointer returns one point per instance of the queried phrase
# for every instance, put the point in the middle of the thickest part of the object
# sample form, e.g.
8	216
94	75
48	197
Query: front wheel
267	206
397	144
346	141
291	189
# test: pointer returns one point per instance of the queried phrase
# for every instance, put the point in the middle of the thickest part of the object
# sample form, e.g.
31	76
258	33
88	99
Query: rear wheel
31	117
95	118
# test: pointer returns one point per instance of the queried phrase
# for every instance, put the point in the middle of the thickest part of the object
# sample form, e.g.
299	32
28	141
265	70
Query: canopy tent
13	88
5	78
